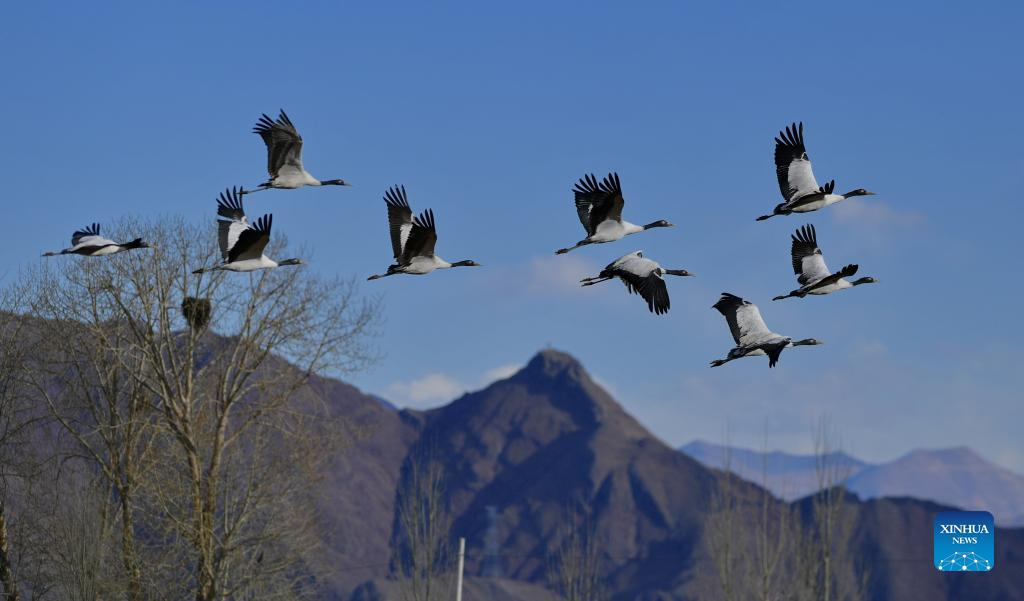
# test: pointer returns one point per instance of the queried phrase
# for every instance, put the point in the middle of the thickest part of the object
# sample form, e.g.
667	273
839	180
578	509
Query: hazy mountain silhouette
957	476
790	476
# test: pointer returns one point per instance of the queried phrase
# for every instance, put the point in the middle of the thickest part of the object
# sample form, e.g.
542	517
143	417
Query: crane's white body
829	289
610	231
245	265
820	203
291	177
108	247
421	265
635	263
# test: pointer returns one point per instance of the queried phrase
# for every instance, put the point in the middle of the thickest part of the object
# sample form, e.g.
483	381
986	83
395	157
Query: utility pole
462	563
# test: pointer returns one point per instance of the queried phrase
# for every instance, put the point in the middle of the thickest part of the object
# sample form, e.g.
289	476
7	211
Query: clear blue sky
489	114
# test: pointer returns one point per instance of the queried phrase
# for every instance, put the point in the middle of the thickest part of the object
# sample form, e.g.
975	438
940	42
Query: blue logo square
964	541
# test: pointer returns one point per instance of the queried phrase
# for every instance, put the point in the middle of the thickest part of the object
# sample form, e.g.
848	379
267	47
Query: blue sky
489	114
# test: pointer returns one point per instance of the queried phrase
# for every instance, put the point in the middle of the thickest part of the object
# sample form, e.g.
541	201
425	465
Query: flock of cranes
599	206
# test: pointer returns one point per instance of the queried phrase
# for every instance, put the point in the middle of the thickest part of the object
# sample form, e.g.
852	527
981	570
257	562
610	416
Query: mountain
548	438
357	493
789	476
892	537
958	477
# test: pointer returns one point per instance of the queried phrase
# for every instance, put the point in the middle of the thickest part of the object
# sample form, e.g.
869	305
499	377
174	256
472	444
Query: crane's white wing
808	262
284	146
399	219
634	262
744	319
229	206
89	236
792	165
228	233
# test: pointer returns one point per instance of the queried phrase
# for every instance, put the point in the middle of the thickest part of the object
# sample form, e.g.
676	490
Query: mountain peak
553	363
947	454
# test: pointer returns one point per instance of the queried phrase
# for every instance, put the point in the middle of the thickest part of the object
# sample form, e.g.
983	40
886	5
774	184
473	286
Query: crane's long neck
136	243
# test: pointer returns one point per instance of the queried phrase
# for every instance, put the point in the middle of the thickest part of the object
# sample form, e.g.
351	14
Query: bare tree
724	531
574	570
766	549
94	396
772	524
424	550
825	571
14	420
80	538
207	436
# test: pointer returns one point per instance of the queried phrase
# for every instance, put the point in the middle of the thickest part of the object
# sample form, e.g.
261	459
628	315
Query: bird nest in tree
196	311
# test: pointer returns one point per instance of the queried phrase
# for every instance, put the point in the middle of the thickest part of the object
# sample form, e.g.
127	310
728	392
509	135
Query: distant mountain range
956	476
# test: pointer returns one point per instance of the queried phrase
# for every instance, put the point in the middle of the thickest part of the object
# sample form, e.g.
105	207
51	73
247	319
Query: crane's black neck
136	243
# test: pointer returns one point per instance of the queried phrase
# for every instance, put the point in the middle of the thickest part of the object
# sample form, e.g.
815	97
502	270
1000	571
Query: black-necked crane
599	206
811	272
89	243
412	238
752	336
796	179
284	156
642	276
242	243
